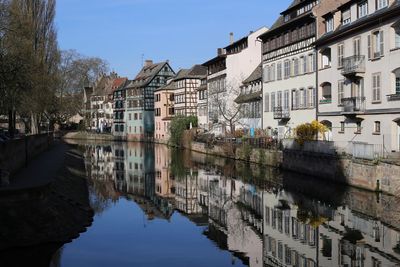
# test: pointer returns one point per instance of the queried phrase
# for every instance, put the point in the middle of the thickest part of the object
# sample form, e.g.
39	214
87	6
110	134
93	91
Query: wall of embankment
15	154
370	175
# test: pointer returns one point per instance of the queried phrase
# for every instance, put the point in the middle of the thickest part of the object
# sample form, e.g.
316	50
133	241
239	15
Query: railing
352	105
353	65
281	113
393	97
366	151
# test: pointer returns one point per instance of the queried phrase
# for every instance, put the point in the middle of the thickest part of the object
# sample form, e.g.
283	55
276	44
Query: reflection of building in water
262	227
302	235
164	178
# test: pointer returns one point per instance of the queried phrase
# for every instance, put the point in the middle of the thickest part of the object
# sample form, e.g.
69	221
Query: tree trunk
34	124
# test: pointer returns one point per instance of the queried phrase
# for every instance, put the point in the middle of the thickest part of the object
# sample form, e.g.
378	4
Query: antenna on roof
142	60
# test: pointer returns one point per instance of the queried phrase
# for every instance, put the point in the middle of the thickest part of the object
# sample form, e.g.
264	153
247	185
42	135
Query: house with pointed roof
119	97
186	83
139	109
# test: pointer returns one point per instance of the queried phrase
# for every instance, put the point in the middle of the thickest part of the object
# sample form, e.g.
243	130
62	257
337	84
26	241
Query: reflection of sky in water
122	236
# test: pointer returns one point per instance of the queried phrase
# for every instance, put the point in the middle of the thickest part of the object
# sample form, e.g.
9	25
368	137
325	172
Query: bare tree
224	110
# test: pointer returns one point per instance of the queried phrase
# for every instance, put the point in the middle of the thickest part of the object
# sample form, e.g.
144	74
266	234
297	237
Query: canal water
155	206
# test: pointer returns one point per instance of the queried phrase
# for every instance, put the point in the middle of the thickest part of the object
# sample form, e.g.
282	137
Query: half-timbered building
289	69
140	99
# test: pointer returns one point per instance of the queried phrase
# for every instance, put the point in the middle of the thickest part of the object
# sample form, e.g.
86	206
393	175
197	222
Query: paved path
41	170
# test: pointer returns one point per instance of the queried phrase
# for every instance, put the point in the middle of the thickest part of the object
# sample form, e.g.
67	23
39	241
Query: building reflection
272	220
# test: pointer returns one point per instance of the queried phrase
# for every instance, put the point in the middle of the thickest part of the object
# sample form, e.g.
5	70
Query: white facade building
359	74
226	72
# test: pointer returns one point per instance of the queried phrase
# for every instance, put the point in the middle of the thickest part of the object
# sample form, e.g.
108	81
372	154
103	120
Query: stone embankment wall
14	154
370	175
91	136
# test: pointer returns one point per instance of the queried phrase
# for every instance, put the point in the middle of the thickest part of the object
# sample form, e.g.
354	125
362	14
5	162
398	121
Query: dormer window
362	9
346	17
329	26
287	17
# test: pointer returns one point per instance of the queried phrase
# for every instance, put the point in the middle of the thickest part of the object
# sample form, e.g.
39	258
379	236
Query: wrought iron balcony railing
353	105
281	113
353	65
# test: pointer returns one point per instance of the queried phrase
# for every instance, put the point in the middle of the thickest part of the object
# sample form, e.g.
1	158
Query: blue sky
186	32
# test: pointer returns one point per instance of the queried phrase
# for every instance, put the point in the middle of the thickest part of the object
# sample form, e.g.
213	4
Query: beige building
359	74
163	111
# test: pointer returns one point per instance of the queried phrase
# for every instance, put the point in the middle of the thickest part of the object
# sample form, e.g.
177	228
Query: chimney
148	62
231	39
221	51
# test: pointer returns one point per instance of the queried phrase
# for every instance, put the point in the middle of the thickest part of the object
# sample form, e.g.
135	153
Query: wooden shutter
369	47
381	42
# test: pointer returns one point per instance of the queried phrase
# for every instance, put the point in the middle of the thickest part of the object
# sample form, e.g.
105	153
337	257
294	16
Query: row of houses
337	62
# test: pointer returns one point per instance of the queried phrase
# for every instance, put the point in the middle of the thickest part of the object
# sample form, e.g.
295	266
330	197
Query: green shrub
178	125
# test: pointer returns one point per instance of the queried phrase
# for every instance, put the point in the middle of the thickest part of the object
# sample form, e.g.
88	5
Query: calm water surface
158	207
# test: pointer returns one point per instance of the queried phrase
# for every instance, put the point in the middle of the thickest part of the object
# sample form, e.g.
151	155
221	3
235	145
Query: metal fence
361	150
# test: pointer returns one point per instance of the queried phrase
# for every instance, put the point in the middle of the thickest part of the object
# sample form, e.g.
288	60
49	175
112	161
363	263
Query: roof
147	74
197	72
213	60
256	75
167	87
246	98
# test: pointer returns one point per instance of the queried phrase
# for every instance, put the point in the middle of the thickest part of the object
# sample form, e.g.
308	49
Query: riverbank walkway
40	171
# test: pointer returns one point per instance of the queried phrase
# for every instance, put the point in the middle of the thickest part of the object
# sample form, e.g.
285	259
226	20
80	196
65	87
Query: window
397	36
135	116
397	81
287	69
362	9
311	97
304	64
377	127
266	74
295	99
303	98
375	45
312	63
342	126
358	127
326	93
376	87
272	72
329	25
326	57
296	66
266	102
357	46
130	116
272	101
381	4
346	17
340	55
279	71
286	100
340	92
279	100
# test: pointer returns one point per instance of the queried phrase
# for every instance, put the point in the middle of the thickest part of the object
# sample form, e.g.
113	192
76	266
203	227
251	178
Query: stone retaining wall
14	154
370	175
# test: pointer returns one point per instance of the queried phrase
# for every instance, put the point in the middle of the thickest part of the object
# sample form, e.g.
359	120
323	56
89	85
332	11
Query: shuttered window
376	87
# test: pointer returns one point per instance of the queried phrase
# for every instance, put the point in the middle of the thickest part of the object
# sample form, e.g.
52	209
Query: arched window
397	81
326	93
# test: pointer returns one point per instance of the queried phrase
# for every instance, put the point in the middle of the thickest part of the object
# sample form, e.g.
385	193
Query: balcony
393	97
281	113
353	65
353	105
